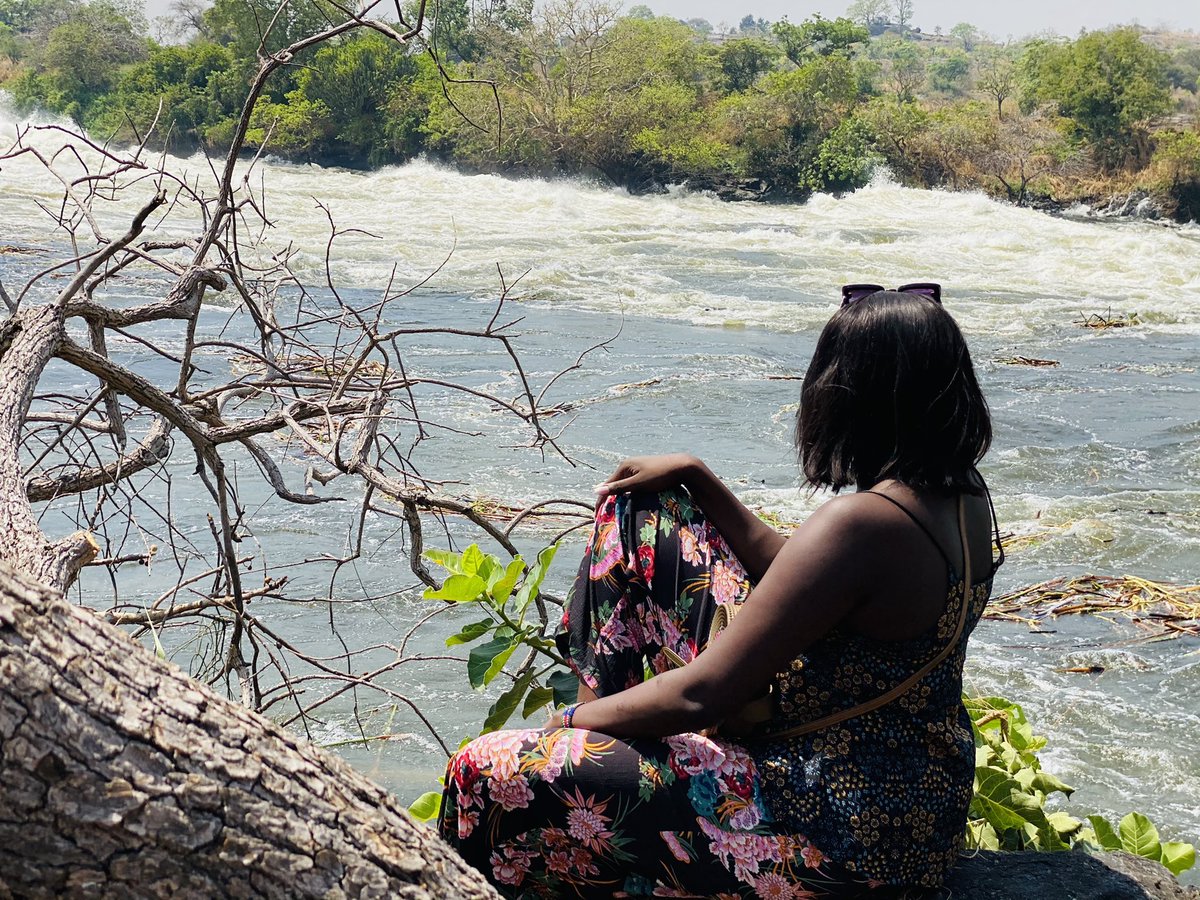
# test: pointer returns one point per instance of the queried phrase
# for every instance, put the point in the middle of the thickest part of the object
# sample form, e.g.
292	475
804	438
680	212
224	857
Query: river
711	302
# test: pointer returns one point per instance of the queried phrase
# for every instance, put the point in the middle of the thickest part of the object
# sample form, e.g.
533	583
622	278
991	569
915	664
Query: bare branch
153	449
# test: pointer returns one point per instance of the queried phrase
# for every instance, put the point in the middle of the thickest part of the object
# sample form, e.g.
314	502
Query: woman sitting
856	626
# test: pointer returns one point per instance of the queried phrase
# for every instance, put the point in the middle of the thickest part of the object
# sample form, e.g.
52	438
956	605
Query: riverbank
776	111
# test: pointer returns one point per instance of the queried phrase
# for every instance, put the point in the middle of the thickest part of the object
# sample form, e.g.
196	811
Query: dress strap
998	560
908	512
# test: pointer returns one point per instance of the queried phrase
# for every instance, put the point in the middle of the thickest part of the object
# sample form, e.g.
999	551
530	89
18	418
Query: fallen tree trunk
121	776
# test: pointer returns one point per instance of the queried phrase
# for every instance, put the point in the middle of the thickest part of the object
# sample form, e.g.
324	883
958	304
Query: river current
710	303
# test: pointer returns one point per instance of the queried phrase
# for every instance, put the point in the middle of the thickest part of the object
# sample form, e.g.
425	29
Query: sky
1015	18
1000	20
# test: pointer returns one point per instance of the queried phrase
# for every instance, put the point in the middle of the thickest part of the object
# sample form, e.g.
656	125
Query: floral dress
574	813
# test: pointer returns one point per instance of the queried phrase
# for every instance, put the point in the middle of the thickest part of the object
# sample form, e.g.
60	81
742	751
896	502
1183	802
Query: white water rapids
711	299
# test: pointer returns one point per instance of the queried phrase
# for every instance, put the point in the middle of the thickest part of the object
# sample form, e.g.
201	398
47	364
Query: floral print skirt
573	813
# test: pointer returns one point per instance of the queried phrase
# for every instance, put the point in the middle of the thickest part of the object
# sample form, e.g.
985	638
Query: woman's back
886	792
911	549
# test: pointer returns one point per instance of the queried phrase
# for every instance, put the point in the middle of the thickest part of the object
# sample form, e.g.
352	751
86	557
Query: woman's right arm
753	541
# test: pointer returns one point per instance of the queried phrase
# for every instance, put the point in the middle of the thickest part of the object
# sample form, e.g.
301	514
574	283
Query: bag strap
908	683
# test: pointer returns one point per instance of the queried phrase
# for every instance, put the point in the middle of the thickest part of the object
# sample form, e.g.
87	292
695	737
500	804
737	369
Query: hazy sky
999	19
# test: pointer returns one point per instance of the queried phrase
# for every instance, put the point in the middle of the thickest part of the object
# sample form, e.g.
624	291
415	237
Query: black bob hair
891	393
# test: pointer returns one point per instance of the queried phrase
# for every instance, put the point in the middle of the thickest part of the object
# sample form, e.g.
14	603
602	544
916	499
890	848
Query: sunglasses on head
852	293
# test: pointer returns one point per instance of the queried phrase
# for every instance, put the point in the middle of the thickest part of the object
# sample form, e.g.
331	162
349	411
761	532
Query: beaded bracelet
568	715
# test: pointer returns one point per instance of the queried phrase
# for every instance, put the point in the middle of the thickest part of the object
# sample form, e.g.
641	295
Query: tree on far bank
1183	70
996	74
1110	84
752	25
778	130
75	63
902	11
949	71
743	60
817	36
903	66
966	34
870	12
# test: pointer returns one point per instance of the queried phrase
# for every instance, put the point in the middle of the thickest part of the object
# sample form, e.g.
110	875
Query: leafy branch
1008	808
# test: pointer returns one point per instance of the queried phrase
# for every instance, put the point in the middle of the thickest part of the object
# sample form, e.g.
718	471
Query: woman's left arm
816	580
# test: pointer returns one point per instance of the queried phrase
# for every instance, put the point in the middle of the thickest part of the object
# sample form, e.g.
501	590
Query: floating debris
1095	320
617	390
1166	609
1026	361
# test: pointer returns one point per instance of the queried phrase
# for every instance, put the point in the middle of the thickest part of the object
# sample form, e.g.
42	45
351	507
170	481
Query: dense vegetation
642	100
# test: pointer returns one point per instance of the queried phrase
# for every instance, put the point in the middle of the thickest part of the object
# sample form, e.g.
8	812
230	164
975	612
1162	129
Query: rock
745	190
1075	875
1146	209
1134	205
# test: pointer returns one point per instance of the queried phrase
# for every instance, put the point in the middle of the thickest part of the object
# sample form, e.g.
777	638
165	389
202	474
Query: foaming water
1097	459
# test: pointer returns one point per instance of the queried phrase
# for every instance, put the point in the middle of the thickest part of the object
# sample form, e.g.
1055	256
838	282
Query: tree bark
122	777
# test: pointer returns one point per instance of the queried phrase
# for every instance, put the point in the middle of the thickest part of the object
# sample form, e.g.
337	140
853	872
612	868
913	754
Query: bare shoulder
844	519
852	511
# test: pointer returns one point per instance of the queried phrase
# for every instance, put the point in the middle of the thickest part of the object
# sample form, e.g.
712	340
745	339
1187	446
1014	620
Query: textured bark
122	777
29	341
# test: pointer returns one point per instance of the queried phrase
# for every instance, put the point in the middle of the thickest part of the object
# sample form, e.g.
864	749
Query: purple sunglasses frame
852	293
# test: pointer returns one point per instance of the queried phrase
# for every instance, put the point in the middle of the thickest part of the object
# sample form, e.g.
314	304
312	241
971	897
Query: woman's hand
648	473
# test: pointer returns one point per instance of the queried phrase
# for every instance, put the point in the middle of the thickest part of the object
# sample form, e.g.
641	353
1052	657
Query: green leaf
427	806
501	711
481	664
1106	837
1049	838
1000	800
498	663
533	581
1177	856
1048	784
982	836
1064	823
489	569
158	647
1016	815
503	588
458	589
538	698
472	559
470	632
447	559
1139	836
565	686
